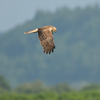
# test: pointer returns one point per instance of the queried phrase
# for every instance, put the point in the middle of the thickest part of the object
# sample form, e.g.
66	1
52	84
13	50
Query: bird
45	35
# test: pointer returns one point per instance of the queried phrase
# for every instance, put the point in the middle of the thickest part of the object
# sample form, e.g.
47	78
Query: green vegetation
76	57
4	85
91	87
28	88
93	95
38	87
38	91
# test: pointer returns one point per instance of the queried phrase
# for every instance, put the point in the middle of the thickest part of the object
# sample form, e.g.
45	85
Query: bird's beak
55	31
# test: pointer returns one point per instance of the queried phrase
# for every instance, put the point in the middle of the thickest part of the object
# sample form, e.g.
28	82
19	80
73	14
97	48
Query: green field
89	95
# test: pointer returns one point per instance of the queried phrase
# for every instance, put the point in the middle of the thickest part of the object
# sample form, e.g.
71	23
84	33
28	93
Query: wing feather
46	39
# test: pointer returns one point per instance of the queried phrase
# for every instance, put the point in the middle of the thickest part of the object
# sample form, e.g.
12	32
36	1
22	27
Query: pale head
54	29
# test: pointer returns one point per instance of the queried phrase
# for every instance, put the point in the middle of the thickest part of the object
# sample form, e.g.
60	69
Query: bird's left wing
46	40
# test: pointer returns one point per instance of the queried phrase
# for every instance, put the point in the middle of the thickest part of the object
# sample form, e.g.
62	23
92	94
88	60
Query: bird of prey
45	35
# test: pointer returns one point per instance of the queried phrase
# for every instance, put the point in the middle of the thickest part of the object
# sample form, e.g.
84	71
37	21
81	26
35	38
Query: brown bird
45	35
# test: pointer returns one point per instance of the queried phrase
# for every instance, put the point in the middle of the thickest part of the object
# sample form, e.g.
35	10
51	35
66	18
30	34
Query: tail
32	31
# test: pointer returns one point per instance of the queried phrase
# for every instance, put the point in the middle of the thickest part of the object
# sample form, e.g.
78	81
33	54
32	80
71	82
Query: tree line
39	87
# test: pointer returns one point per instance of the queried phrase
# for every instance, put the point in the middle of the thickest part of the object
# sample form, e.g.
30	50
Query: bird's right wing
32	31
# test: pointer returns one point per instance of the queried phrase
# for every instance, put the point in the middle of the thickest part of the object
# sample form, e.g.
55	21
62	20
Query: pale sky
15	12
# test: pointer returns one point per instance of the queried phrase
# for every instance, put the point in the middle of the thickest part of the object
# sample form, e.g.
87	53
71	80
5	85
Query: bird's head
54	29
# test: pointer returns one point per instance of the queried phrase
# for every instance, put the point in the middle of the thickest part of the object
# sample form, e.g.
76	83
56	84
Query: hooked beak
55	31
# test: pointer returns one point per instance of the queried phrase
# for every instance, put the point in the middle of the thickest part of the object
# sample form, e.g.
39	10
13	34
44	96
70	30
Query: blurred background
76	60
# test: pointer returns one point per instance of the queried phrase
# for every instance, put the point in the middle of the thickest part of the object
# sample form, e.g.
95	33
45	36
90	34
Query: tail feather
32	31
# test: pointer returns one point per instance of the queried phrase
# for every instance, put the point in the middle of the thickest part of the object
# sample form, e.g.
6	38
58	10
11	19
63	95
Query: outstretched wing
46	39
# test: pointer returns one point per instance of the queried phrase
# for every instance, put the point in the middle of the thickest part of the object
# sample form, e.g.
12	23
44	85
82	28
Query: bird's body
45	35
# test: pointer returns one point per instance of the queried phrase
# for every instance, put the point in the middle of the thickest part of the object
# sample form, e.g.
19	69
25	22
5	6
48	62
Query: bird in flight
45	35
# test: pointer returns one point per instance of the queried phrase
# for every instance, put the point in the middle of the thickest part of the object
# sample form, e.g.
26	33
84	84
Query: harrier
45	35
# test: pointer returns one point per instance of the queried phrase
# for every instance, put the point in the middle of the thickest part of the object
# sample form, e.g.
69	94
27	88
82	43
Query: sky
15	12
